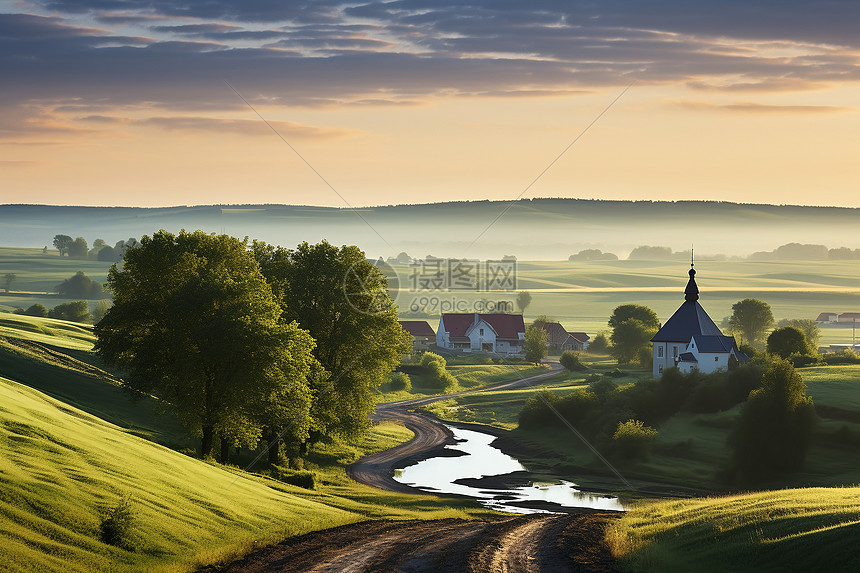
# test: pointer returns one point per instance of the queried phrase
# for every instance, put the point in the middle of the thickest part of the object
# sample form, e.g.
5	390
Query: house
421	332
474	332
557	338
582	338
849	317
827	317
690	340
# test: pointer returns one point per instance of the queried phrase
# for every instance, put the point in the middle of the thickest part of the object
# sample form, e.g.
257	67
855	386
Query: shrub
37	310
535	413
800	360
116	525
76	311
773	431
847	356
429	357
80	286
787	341
435	365
299	478
400	381
600	345
632	439
570	360
600	385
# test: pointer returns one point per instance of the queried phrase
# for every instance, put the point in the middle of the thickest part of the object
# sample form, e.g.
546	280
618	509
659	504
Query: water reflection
482	460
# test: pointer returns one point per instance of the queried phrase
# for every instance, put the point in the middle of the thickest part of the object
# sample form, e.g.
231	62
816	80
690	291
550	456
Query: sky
169	102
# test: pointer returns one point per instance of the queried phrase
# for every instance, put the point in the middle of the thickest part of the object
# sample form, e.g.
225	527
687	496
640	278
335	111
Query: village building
827	317
559	340
849	317
690	340
421	332
474	332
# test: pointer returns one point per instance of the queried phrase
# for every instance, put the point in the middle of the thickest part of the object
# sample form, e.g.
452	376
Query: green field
789	530
582	295
73	444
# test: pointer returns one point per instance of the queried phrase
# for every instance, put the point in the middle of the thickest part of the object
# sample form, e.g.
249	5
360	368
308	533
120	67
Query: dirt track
524	544
506	544
430	437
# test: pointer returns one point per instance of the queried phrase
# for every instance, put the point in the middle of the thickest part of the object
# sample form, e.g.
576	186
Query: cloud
405	52
751	107
253	127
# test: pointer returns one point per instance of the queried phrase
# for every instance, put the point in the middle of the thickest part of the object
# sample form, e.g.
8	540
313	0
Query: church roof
706	343
689	320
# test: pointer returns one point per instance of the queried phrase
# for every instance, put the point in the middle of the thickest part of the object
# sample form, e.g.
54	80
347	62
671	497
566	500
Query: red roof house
498	333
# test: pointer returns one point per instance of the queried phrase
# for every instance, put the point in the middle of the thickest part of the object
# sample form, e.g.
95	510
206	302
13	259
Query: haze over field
539	229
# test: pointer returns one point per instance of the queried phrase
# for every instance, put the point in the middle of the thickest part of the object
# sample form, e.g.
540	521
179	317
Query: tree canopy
195	323
343	301
629	339
807	326
62	243
787	341
80	286
534	345
751	318
635	311
524	299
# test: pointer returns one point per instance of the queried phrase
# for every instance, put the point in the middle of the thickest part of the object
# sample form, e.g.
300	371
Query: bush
116	525
787	341
847	356
400	381
800	360
600	385
299	478
773	431
570	360
80	286
77	311
632	439
535	413
435	365
37	310
600	345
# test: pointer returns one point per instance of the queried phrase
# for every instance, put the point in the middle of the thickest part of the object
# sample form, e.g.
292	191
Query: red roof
580	336
417	327
505	325
555	333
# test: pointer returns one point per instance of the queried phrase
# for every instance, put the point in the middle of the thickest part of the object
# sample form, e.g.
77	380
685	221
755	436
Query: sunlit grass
812	529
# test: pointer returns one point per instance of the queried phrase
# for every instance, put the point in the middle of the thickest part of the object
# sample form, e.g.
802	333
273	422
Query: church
691	341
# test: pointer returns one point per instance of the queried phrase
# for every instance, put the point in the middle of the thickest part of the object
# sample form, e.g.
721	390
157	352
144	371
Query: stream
474	460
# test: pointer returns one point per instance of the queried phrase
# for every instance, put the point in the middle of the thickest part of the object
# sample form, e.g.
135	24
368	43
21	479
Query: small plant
116	525
570	360
400	381
632	439
300	478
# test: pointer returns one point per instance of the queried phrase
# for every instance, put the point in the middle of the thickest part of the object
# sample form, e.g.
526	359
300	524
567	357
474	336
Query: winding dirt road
524	544
430	436
504	544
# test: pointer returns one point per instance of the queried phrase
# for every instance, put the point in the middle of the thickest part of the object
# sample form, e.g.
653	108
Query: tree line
78	248
252	343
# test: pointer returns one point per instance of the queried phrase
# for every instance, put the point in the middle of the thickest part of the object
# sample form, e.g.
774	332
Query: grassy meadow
73	444
582	295
814	529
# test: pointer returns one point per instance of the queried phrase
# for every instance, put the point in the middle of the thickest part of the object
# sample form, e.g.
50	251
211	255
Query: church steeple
691	293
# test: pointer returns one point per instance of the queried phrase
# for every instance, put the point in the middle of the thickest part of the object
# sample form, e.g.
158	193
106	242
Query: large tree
772	433
534	344
80	286
807	326
195	323
787	341
751	318
634	311
342	299
62	243
524	298
629	339
78	248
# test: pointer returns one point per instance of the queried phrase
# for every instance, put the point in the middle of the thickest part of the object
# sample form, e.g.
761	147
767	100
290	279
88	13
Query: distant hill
529	228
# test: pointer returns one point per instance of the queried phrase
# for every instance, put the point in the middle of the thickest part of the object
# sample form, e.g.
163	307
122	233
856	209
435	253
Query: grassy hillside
798	530
61	468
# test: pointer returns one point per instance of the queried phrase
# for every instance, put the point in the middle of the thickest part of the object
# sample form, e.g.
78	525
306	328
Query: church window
659	352
675	351
716	358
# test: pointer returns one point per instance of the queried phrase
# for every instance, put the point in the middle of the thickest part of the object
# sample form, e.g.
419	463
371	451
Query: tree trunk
225	450
274	448
208	437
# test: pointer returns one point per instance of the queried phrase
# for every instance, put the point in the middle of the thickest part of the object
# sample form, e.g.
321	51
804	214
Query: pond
469	472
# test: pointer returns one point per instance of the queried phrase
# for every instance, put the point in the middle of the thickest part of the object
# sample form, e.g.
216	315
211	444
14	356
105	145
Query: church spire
691	293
